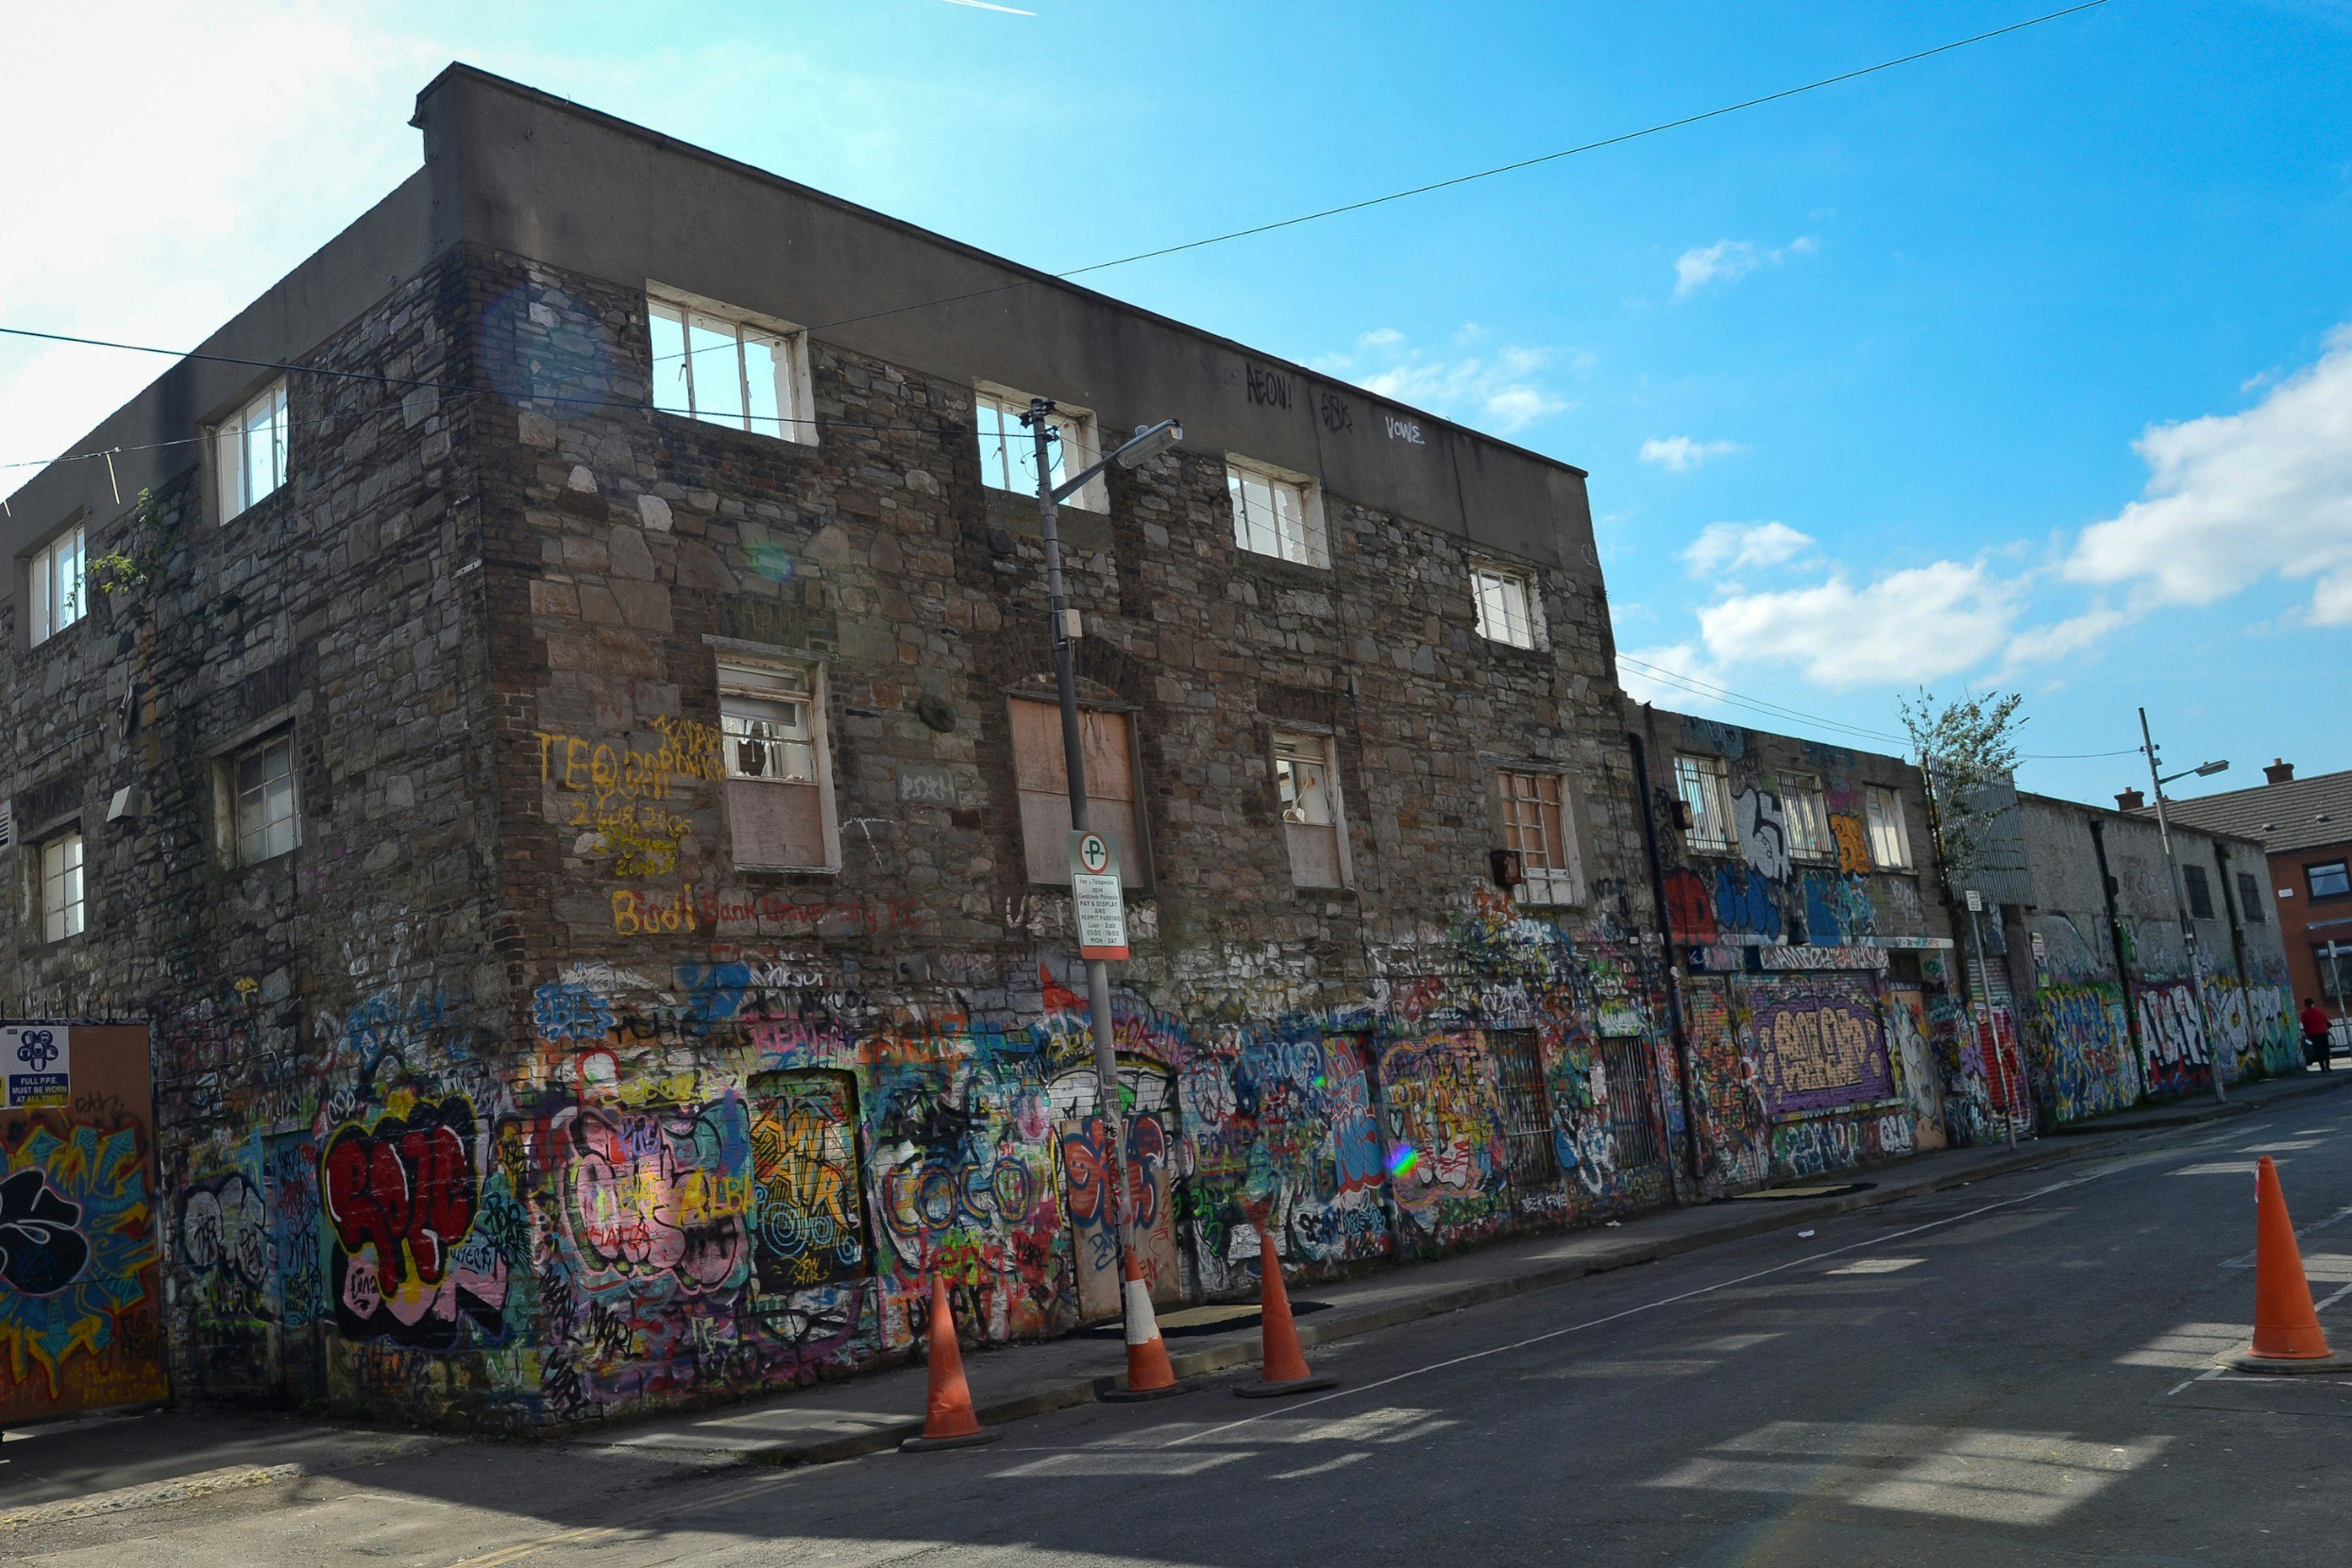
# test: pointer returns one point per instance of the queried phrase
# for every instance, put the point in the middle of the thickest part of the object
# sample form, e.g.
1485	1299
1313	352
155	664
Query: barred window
1807	817
1705	786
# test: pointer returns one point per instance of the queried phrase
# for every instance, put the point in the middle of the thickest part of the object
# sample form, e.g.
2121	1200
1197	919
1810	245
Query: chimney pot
2281	771
2129	799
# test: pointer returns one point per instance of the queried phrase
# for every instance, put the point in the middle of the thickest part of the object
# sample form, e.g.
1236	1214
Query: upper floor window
1042	780
1008	448
1534	825
60	594
2200	891
1313	823
1807	815
727	368
779	788
249	450
1506	605
1890	838
268	824
2332	879
2250	898
1276	514
1704	785
59	891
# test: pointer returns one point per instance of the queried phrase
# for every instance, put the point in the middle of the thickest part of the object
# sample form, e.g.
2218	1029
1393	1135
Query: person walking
2315	1027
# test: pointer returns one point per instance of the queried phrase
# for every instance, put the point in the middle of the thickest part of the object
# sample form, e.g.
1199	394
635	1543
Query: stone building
1815	1014
563	768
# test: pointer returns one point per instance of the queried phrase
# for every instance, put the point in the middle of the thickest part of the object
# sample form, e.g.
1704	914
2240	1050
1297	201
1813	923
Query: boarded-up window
1312	820
1044	787
1535	826
770	722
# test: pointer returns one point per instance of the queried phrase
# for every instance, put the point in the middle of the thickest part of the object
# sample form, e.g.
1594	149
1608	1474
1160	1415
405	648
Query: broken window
58	892
1506	602
1704	785
1043	785
779	806
1890	838
268	824
59	593
1276	514
725	368
1312	820
1534	825
1807	815
249	452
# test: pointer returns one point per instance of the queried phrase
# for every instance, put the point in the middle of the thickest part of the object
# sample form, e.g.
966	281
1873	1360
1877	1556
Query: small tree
144	544
1963	747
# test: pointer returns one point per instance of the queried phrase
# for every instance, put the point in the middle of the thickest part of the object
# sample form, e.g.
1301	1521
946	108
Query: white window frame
1889	835
1491	585
1293	748
748	676
58	589
795	393
262	421
253	845
1703	783
1310	546
1077	449
1550	874
1805	810
60	884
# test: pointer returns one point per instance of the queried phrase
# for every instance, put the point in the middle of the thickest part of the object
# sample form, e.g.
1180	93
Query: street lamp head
1147	442
2213	768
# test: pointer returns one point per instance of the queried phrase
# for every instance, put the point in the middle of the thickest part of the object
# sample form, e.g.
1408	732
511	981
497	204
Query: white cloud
1729	261
2232	498
1680	454
1504	391
1916	624
2039	645
1725	549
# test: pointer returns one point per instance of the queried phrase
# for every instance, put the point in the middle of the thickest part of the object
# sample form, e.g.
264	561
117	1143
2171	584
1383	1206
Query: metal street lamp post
2180	898
1148	442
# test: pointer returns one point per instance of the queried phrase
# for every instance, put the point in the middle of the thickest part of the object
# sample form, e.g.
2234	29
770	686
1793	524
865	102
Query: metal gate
1531	1158
1634	1124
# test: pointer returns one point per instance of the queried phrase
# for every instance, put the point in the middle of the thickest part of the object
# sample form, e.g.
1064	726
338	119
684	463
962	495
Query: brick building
573	799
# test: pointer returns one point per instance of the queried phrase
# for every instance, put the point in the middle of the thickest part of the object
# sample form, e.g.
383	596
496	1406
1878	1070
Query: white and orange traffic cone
1149	1376
1285	1370
2286	1336
948	1419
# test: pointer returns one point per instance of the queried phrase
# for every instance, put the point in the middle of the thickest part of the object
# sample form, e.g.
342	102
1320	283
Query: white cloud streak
1727	262
1727	549
1680	454
1505	391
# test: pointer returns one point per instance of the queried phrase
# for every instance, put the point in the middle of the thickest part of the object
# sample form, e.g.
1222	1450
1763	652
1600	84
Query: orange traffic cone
1149	1376
1286	1369
948	1421
2287	1334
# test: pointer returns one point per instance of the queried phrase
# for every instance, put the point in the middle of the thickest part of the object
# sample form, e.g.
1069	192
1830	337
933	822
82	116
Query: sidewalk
107	1463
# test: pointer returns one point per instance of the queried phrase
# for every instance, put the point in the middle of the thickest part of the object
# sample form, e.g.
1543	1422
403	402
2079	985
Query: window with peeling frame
60	583
1506	605
729	369
1889	835
772	738
249	452
1276	514
1704	785
1314	825
1008	448
1535	824
1806	813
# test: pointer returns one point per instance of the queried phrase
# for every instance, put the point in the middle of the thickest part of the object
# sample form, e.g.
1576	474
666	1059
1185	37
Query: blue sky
2025	364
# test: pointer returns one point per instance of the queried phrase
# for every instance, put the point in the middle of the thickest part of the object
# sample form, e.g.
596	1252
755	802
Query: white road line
1646	1306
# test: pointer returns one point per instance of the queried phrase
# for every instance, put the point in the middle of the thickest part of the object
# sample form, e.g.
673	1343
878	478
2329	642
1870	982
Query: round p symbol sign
1093	854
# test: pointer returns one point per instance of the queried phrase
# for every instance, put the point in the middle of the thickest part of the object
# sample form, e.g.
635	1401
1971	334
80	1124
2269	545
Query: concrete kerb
1340	1324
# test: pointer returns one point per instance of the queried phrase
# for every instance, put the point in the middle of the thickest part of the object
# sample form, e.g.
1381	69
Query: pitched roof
2301	813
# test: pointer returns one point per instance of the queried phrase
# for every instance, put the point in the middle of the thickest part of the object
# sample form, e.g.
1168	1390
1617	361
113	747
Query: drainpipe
2115	942
1675	1031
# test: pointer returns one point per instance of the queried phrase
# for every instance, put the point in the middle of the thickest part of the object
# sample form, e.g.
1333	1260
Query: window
1276	514
1533	824
1705	786
723	369
1807	817
2331	881
779	794
267	823
2200	892
1008	448
2334	963
1506	605
2250	898
1044	787
59	894
1890	839
1312	819
249	452
58	592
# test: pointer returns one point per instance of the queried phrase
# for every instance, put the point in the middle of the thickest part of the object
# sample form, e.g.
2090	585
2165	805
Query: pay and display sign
1095	899
36	1063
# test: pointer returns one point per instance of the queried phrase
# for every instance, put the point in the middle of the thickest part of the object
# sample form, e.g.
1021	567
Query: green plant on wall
134	564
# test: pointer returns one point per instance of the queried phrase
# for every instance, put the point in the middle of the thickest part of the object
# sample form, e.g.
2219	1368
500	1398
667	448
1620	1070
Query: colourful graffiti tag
400	1197
76	1250
808	1191
1819	1045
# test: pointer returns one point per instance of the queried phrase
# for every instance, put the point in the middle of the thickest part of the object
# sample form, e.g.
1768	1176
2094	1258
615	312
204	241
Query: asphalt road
2015	1373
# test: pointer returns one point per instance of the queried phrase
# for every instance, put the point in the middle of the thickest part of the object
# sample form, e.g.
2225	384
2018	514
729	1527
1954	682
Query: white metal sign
36	1064
1095	897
